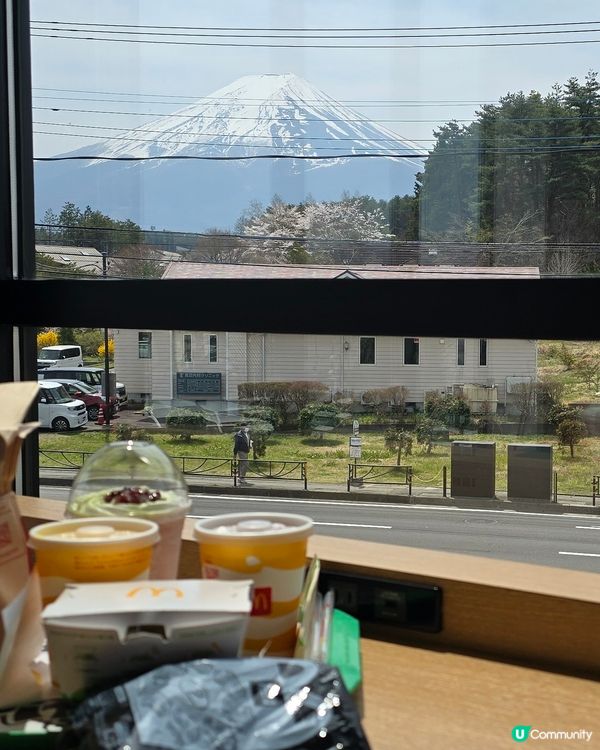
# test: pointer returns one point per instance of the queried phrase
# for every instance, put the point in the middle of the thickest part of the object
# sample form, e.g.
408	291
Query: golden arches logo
156	591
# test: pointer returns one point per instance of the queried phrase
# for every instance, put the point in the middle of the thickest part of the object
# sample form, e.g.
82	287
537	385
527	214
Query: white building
209	365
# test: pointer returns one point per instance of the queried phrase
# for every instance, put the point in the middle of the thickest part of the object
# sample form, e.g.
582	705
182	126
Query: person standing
241	448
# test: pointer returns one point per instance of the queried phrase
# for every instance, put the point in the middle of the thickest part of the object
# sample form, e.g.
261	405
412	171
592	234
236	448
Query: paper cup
270	549
92	550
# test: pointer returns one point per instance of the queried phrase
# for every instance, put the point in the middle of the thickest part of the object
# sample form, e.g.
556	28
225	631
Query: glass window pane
367	350
187	347
483	352
411	351
460	352
213	348
144	345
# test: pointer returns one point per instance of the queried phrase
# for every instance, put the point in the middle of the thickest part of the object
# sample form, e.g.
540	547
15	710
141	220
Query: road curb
374	497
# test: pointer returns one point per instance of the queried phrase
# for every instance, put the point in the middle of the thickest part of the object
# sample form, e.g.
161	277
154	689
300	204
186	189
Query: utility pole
106	353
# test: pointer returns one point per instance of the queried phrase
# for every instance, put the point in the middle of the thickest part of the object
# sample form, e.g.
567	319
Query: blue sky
421	75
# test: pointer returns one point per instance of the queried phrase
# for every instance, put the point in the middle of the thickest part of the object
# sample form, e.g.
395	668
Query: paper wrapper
21	633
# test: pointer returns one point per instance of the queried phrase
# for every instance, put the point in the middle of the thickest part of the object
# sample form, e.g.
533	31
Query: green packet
344	649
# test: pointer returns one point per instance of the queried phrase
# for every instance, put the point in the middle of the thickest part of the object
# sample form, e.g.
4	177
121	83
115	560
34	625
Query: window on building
213	350
460	351
367	350
187	347
145	345
411	351
483	352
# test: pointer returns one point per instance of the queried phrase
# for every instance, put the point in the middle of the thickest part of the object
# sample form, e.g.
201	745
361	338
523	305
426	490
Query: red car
91	398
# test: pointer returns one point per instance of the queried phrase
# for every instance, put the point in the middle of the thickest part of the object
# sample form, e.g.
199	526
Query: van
60	356
57	410
92	376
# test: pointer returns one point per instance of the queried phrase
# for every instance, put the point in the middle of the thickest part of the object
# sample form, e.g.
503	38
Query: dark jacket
242	443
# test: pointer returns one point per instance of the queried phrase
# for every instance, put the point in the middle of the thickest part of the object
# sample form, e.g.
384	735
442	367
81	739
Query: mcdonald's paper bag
103	633
21	634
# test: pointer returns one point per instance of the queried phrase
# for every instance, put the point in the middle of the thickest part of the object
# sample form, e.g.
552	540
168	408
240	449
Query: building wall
333	360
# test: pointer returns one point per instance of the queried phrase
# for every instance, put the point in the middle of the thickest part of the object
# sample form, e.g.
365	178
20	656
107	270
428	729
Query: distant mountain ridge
256	115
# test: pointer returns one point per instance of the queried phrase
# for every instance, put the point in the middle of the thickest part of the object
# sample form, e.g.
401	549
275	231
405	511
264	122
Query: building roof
85	258
186	270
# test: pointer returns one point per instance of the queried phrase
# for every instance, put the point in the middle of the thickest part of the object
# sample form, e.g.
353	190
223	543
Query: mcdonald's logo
156	591
261	602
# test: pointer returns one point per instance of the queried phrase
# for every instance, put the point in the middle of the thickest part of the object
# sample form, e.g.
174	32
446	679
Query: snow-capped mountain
278	124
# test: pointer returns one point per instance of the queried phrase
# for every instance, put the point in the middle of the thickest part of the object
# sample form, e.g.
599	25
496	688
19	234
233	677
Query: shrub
182	423
125	431
262	414
390	400
89	339
570	431
399	440
260	432
318	414
280	395
111	348
549	395
47	338
566	357
426	431
453	411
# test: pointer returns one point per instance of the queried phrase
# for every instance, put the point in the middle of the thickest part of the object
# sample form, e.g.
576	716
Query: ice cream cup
92	550
169	513
269	548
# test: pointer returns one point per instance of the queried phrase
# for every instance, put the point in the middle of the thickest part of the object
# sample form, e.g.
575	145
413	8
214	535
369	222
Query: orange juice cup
269	548
92	550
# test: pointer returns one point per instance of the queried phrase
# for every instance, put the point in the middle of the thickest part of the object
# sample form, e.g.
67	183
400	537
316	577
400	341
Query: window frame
367	364
187	337
212	361
411	338
148	344
487	352
464	352
333	306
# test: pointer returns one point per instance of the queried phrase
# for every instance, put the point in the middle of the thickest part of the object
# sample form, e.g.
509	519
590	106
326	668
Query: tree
524	400
570	431
111	348
137	262
219	246
425	432
317	232
587	367
318	414
46	338
396	439
260	432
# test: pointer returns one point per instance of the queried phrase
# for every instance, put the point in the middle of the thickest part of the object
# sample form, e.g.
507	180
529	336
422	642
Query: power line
199	97
64	27
293	138
321	157
345	28
572	118
317	46
247	102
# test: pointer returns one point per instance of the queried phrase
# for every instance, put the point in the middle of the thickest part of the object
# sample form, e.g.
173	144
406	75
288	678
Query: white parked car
57	410
63	355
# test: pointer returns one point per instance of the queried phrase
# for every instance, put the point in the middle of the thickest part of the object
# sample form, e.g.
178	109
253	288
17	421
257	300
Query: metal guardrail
595	488
358	473
266	469
206	466
64	459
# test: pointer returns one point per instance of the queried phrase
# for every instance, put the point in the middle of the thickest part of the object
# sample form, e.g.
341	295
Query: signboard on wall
198	383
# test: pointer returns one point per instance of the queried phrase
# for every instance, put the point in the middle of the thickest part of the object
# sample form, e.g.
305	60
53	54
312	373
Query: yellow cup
92	550
269	548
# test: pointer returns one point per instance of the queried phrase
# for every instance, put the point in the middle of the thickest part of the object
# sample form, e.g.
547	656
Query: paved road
568	541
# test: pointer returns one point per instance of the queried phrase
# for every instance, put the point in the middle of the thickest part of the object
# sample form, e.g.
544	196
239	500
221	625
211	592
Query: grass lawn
328	457
551	363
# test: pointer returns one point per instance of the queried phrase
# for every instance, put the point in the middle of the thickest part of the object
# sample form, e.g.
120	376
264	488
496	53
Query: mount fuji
203	165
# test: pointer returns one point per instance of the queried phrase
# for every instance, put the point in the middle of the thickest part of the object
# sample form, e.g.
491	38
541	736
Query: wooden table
520	645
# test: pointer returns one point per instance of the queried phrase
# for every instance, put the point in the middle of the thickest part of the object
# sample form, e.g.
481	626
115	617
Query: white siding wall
304	357
321	358
133	372
162	366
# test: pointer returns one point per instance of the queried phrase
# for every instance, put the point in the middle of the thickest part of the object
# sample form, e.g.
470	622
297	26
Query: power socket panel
383	601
